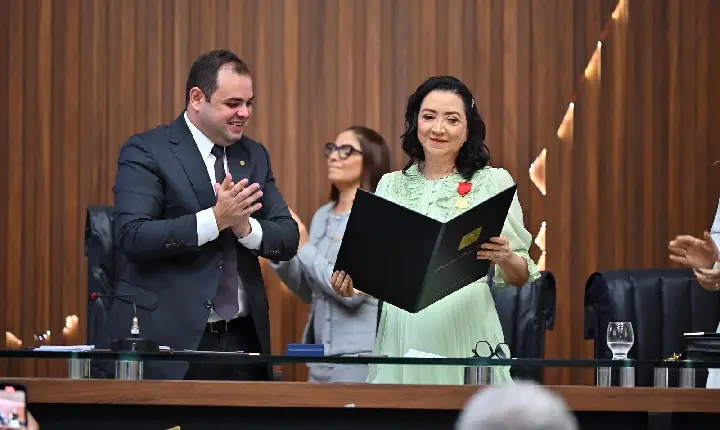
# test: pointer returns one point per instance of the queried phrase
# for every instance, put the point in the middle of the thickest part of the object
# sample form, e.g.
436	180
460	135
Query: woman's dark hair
376	159
474	154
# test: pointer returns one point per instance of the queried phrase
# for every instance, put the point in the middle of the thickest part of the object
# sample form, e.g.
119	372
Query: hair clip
472	103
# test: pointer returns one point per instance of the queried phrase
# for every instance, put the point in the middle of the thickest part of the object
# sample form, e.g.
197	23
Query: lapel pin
242	163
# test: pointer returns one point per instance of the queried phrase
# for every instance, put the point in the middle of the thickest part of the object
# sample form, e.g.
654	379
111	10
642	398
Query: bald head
520	406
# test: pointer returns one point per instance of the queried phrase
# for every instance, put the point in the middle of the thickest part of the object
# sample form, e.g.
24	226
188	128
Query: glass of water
620	339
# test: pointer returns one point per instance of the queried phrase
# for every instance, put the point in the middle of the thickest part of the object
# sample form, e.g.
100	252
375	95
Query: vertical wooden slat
510	100
529	148
342	26
182	58
29	180
221	23
89	163
455	43
553	86
646	180
288	157
153	74
54	175
425	45
117	88
587	150
206	23
660	103
484	82
373	58
5	34
706	211
141	27
14	312
172	89
391	119
43	175
713	94
615	96
70	223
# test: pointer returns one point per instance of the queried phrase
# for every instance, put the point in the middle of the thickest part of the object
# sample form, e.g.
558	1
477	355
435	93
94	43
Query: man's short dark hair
204	71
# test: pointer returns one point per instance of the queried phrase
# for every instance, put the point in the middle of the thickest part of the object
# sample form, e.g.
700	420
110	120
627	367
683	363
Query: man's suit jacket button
208	304
220	264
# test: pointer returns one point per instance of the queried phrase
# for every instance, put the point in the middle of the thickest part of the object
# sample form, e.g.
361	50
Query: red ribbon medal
463	189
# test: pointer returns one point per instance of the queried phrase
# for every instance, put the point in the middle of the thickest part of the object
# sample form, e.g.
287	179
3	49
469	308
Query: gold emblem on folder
470	238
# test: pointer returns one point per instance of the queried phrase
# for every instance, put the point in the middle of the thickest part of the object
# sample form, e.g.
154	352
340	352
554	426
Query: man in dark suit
196	205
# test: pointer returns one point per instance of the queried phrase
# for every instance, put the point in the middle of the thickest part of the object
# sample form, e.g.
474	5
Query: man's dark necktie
226	299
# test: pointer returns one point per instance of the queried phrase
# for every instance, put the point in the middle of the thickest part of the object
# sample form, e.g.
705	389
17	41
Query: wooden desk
110	404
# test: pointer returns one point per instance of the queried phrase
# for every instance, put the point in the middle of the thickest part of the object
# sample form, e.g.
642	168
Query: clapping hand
699	254
235	204
693	252
497	250
709	278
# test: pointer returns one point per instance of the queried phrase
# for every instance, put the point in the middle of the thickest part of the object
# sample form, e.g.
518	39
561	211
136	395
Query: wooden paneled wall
638	169
80	76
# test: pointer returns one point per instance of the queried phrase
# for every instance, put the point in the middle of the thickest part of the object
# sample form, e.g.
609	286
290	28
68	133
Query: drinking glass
620	338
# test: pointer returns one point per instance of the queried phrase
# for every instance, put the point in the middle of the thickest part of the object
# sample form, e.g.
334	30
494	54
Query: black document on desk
410	260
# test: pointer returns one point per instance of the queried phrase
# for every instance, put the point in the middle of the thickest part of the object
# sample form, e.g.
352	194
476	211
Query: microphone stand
132	343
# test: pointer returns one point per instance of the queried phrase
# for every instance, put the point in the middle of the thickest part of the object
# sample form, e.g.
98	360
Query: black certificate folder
410	260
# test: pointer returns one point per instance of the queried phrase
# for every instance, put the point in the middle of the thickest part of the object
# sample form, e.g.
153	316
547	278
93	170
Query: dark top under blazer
161	183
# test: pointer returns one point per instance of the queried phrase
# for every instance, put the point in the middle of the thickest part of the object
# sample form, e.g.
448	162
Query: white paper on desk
414	353
65	348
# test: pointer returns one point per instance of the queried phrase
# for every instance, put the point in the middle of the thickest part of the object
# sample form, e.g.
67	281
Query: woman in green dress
448	172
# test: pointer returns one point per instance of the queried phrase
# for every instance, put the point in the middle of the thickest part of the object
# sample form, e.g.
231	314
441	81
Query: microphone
134	342
95	296
135	329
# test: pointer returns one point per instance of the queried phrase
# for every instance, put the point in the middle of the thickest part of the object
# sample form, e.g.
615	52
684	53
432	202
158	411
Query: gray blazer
346	325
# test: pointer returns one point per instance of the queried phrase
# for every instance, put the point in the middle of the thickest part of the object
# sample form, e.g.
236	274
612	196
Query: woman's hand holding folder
496	250
343	284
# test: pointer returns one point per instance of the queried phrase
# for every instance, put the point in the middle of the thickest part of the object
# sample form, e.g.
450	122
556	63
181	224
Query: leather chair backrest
661	304
104	265
525	315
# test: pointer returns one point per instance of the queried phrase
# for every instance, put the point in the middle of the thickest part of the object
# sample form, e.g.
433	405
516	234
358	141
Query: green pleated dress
452	326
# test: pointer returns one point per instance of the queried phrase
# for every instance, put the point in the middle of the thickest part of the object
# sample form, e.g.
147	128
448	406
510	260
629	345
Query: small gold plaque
470	238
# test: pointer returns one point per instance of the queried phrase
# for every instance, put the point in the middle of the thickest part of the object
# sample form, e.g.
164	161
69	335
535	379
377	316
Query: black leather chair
661	304
525	315
105	264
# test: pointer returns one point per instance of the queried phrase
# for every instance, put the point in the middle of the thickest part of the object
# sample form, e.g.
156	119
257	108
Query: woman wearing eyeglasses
703	256
358	158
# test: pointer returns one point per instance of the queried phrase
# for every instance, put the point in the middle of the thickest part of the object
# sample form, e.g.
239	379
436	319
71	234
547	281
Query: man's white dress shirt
207	229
